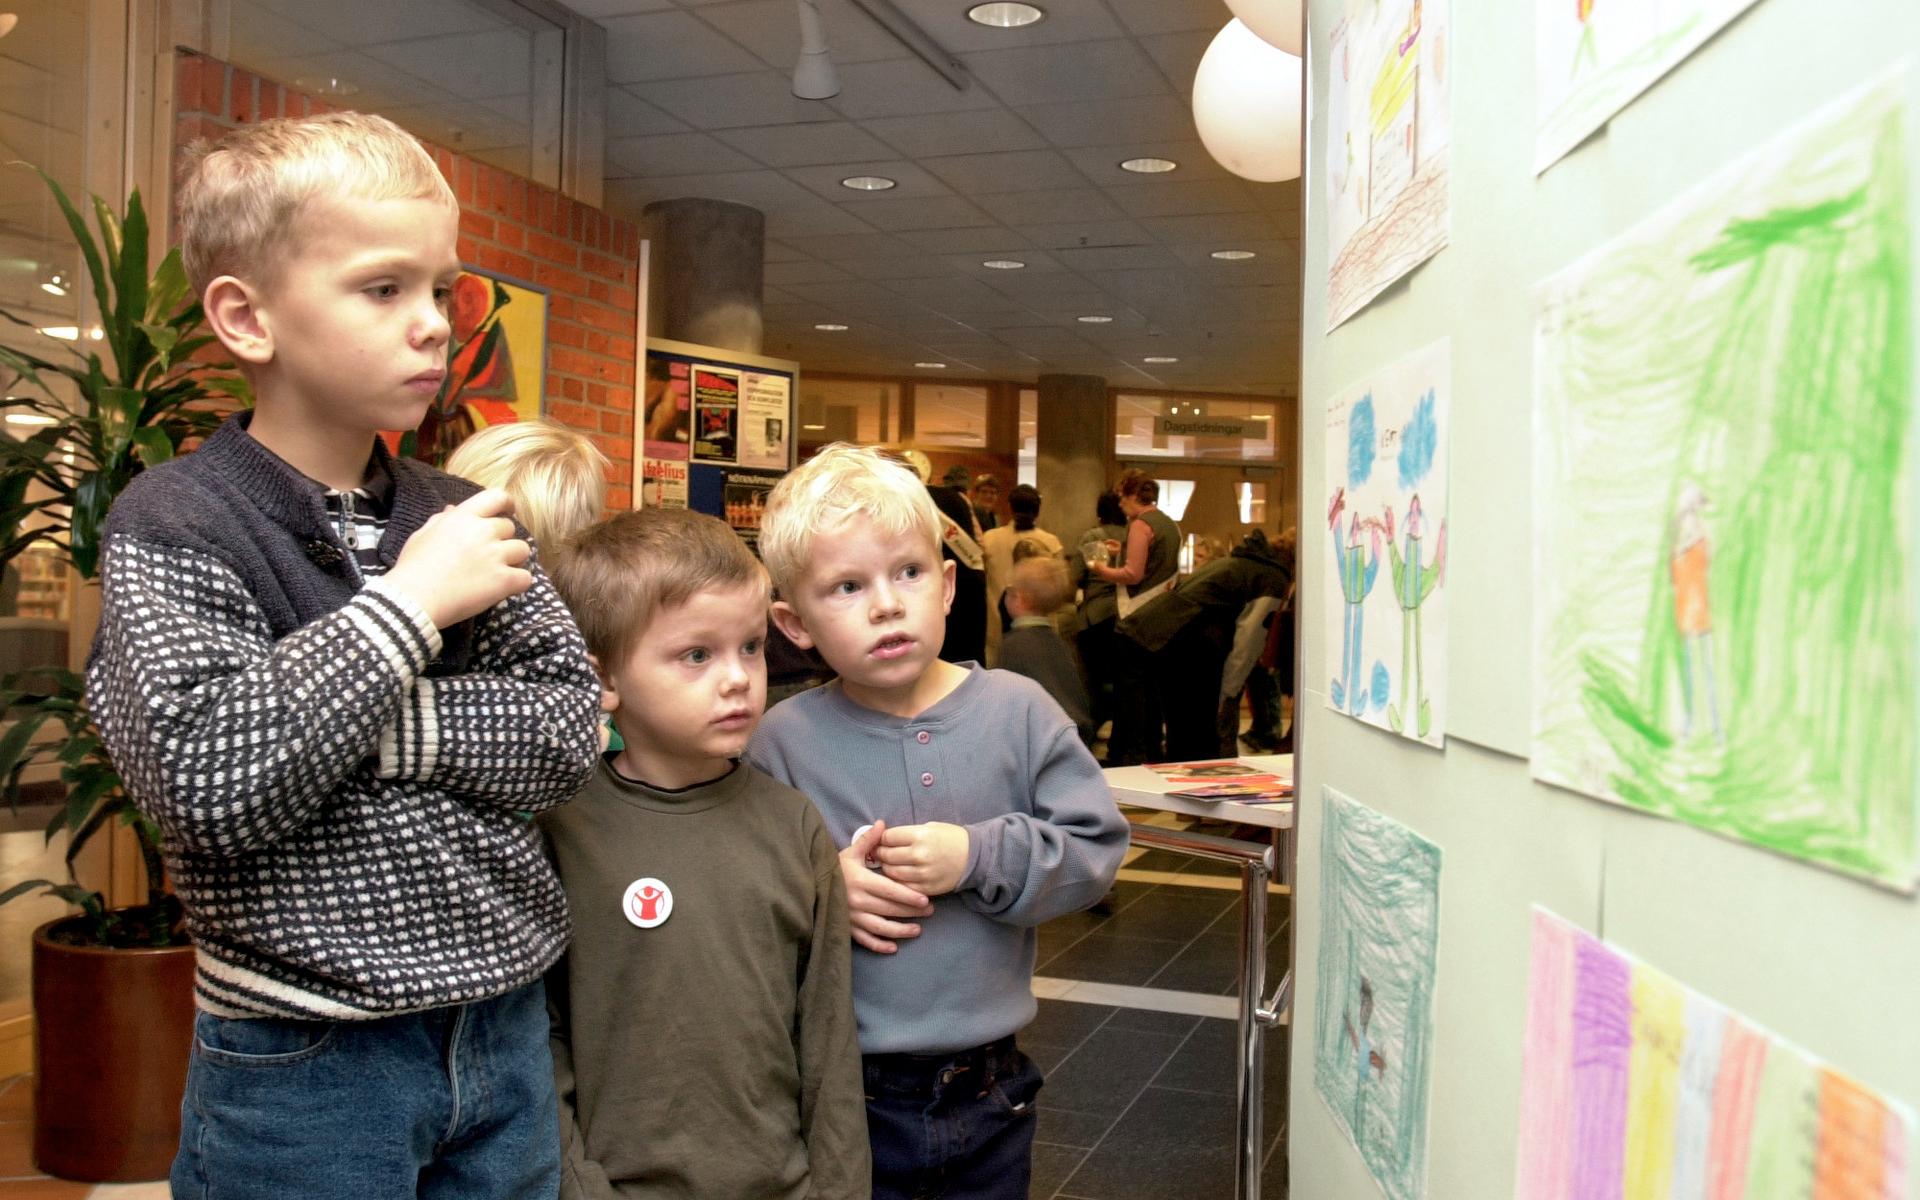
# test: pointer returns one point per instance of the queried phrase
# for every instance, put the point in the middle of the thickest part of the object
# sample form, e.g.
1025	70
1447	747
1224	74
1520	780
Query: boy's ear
947	569
234	314
788	619
609	699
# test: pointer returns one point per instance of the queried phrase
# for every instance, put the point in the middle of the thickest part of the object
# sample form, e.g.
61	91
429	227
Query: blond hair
241	197
1041	583
616	575
557	478
828	490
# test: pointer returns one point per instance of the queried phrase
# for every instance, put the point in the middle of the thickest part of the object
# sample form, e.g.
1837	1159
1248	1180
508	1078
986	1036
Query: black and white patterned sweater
340	786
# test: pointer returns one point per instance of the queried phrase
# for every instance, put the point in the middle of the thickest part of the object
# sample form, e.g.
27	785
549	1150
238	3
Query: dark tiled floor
1139	1104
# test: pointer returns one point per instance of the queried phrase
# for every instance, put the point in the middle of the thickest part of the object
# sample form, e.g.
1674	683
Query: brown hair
617	574
1136	483
242	196
1041	583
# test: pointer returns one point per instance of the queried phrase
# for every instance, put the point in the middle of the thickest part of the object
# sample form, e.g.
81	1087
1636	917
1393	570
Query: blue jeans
952	1127
451	1102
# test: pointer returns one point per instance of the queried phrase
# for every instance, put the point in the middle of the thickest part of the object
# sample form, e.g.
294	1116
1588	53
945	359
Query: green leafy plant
110	414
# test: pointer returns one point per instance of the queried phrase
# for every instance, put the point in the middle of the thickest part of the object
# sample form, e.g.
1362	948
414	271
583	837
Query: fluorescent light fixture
1004	16
1094	320
931	366
1159	358
1233	255
830	328
66	333
868	183
1003	264
813	428
1148	166
29	418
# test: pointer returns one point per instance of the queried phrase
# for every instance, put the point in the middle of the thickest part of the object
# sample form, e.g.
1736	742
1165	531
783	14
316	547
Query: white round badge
648	902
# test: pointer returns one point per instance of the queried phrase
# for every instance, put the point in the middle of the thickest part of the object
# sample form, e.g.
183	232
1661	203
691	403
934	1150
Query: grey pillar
705	272
1074	451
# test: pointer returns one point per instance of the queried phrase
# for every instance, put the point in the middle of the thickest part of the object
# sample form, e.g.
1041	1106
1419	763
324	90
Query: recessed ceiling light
1003	264
868	183
931	366
54	283
831	328
1233	255
326	85
1159	358
1004	16
1094	320
813	428
29	418
1148	166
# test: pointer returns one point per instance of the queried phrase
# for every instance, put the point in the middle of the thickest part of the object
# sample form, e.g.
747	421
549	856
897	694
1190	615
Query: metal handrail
1256	863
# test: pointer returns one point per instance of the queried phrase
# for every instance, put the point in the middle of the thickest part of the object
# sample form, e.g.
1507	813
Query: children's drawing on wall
1386	152
1635	1085
1373	1033
1593	57
1723	553
1388	509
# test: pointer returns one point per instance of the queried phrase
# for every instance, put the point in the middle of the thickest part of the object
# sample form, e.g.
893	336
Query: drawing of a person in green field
1358	569
1413	582
1692	611
1366	1059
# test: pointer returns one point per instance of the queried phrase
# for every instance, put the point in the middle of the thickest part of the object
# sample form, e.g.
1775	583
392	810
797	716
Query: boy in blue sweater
336	680
968	809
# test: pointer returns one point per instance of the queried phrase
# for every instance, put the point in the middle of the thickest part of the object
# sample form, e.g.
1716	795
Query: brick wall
587	261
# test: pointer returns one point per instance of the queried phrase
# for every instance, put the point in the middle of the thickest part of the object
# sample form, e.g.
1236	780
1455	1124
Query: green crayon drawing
1723	549
1413	582
1373	1018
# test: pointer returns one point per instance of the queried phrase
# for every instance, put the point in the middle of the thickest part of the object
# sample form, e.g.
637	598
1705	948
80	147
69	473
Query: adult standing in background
1145	576
998	543
1093	639
960	543
986	502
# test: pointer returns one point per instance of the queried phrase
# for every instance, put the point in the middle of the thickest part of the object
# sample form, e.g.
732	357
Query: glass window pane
864	411
1027	470
949	415
1170	425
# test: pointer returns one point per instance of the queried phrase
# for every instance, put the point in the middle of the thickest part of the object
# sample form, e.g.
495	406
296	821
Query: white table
1145	788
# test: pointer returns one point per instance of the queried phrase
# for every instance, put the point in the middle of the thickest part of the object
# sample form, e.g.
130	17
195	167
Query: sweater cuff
404	609
410	745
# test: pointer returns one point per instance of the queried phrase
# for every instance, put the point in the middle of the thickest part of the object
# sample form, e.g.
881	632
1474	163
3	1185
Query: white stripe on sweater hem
219	975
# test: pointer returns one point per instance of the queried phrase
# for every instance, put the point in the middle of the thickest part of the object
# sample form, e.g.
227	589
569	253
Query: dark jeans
1137	688
953	1126
1094	644
454	1102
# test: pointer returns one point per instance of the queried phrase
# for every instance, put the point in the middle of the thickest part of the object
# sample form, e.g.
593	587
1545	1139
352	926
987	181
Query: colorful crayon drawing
1593	57
1636	1087
1723	558
1389	509
1373	1020
1386	149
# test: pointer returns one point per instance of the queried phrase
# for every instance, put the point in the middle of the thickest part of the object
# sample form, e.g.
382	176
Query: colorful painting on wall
1636	1085
1722	493
1385	600
1373	1013
497	371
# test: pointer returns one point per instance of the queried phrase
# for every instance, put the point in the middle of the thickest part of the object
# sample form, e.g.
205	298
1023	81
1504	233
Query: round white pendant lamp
1246	105
1275	22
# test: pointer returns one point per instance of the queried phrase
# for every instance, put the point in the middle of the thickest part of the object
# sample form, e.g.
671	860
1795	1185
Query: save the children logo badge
648	902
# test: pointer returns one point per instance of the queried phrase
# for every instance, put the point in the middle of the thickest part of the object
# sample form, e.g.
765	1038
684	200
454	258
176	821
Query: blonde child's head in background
556	476
1037	586
241	204
840	484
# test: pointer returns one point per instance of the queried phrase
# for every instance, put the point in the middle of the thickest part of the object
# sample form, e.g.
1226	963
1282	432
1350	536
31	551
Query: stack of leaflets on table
1225	779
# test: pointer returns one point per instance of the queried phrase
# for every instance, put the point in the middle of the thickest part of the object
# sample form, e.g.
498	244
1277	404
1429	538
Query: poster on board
1388	132
716	413
667	407
663	482
765	406
1385	599
1723	542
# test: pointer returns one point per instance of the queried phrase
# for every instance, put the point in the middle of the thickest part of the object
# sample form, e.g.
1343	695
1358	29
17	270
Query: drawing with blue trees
1386	450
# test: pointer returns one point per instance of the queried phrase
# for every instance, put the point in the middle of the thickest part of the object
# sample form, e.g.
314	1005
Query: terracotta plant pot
112	1033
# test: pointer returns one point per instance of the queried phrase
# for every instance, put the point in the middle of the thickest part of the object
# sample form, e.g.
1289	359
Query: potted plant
113	987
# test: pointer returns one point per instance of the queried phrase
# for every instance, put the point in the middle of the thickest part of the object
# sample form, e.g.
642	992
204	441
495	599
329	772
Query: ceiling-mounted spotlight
53	280
868	183
813	75
1148	166
1004	15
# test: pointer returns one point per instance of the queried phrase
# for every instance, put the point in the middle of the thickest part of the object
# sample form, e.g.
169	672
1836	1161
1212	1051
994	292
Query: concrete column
1074	451
705	272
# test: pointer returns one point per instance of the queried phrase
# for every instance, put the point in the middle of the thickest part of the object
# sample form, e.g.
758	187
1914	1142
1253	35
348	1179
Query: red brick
599	393
270	99
621	347
576	363
186	82
246	105
574	416
614	422
512	236
513	202
554	385
559	279
444	160
539	208
504	262
619	270
299	104
476	225
553	250
563	333
463	179
613	447
483	198
561	307
619	499
575	390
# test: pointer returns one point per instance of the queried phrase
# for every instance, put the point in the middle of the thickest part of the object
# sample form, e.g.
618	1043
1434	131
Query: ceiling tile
731	101
909	266
945	21
1047	208
771	29
803	145
1069	234
850	246
1196	196
630	116
963	241
601	9
1007	171
909	180
786	274
1144	17
1102	163
1115	258
919	212
901	87
979	132
671	45
1065	74
671	154
1162	118
1222	229
1178	56
778	251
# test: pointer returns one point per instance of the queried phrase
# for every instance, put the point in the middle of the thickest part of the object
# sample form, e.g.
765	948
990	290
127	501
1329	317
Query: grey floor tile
1051	1167
1210	964
1106	958
1149	1020
1108	1070
1066	1127
1170	913
1064	1023
1168	1146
